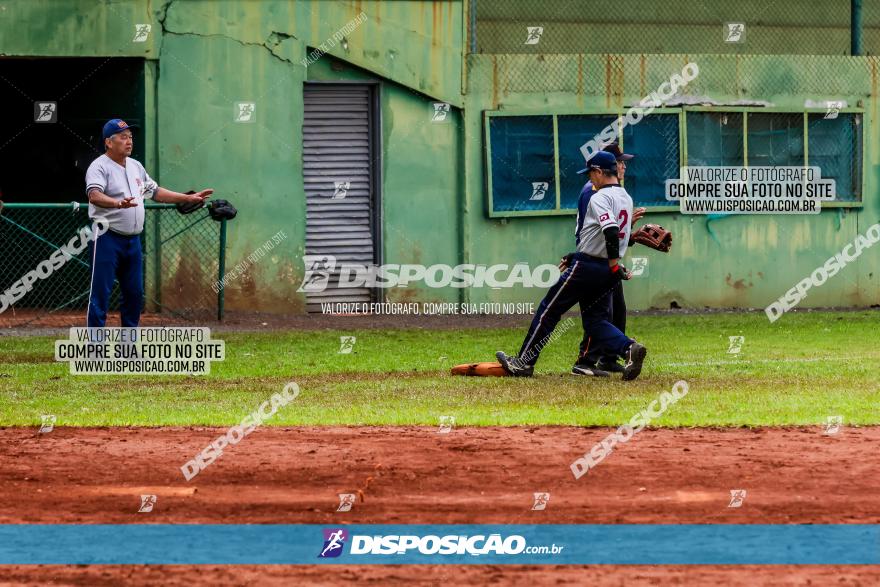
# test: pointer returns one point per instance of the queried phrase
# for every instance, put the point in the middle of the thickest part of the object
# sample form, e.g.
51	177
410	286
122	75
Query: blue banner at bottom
624	544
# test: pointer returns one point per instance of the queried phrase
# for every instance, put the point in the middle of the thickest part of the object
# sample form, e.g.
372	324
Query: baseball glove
221	210
654	236
189	207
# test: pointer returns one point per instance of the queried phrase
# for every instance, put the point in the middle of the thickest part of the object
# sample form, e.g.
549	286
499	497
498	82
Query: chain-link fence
184	255
535	45
756	27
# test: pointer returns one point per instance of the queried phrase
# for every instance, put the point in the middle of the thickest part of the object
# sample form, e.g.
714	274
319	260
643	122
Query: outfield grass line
776	360
789	375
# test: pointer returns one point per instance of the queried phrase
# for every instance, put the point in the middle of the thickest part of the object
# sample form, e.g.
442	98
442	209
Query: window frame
746	110
555	114
682	113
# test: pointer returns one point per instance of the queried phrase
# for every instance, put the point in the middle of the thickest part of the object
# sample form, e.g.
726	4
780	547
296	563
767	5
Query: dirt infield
442	575
418	475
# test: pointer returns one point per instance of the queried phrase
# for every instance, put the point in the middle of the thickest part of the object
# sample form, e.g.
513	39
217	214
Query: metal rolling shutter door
336	148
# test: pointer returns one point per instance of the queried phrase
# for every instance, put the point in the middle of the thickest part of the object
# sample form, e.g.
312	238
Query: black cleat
635	356
611	366
513	366
589	370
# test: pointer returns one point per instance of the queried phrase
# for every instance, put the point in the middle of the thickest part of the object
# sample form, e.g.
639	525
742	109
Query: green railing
184	255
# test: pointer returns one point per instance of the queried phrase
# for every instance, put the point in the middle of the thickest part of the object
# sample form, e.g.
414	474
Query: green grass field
800	370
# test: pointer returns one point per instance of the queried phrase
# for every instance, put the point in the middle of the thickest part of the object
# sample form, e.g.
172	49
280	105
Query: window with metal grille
522	173
655	143
533	161
829	140
835	146
575	130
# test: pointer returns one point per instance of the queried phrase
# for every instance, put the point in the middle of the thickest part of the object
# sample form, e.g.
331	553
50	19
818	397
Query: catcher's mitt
222	210
654	236
189	207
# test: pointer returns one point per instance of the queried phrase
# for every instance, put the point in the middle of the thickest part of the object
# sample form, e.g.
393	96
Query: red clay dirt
469	475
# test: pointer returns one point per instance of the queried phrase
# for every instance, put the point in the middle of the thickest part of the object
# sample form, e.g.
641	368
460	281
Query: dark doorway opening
47	161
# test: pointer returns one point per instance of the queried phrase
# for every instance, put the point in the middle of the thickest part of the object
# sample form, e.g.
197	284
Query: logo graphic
734	32
737	497
638	422
141	31
534	35
45	112
143	188
541	500
832	425
539	190
346	344
334	540
736	344
147	503
346	500
441	111
48	423
318	268
832	109
639	266
340	189
447	423
604	217
236	433
245	112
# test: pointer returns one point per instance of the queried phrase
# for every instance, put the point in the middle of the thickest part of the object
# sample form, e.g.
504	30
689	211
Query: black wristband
612	242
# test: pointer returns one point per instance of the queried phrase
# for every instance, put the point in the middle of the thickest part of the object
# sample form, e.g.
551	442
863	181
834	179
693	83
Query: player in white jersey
590	278
597	362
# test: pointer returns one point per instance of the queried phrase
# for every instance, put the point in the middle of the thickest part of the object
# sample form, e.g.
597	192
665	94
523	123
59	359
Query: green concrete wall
215	54
421	188
203	56
737	261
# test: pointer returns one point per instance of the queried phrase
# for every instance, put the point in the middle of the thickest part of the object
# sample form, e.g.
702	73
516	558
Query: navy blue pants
591	353
115	256
588	282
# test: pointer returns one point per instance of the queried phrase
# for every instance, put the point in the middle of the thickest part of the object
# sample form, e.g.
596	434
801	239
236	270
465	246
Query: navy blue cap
602	160
116	125
614	149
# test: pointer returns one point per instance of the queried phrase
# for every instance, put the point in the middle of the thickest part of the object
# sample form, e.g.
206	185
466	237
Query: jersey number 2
623	218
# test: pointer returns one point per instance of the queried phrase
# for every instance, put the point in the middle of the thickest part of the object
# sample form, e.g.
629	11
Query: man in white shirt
117	186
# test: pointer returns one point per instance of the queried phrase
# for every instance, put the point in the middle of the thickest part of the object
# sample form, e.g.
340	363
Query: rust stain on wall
494	82
737	90
874	93
608	81
643	76
580	79
435	22
739	283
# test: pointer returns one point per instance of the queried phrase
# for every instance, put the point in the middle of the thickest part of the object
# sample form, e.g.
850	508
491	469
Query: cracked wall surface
205	56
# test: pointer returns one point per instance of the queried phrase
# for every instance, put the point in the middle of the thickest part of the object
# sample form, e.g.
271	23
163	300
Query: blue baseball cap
602	160
614	149
116	125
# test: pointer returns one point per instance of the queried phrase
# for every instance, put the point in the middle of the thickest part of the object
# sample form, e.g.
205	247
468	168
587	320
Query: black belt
124	235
